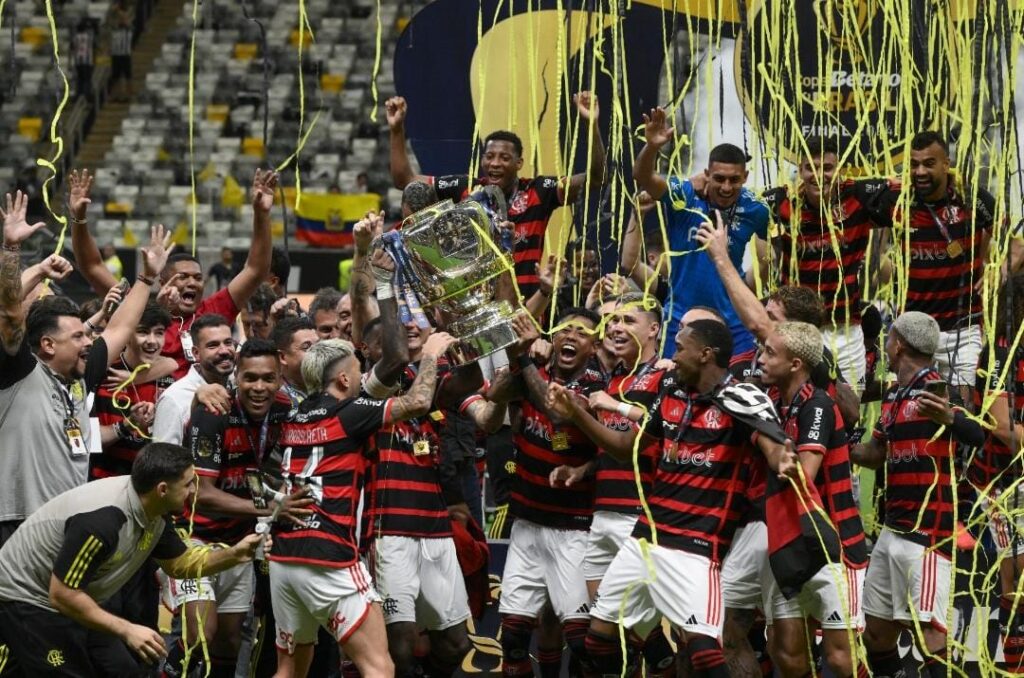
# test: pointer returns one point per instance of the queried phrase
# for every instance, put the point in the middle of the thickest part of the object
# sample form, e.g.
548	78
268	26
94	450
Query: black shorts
120	67
44	643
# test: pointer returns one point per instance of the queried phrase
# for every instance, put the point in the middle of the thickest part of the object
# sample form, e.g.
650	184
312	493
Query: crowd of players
683	452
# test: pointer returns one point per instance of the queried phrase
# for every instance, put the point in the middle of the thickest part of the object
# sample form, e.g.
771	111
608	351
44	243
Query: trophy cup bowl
455	265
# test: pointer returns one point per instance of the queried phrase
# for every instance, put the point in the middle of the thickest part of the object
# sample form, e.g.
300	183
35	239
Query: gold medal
420	448
954	249
560	441
437	415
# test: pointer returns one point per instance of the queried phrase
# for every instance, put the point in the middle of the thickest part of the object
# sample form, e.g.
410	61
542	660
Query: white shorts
646	581
956	357
232	589
1006	520
608	532
544	563
306	597
847	347
832	597
420	581
901	574
745	570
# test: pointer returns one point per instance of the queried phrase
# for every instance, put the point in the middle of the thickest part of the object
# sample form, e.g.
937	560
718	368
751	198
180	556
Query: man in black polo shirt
82	546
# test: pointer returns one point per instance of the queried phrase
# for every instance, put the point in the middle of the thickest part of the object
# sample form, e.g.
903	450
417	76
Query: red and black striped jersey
529	208
404	484
223	447
918	485
325	443
701	477
826	260
813	422
997	465
117	457
616	482
541	447
826	375
943	267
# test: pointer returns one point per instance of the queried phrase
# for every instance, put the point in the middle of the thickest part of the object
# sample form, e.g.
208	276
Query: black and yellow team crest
204	447
55	658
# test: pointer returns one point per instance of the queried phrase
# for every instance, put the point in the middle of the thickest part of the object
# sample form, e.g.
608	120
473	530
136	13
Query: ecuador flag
326	219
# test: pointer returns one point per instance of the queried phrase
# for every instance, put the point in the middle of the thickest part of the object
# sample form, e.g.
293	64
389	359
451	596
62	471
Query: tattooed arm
16	230
488	416
364	308
394	340
417	400
505	387
12	318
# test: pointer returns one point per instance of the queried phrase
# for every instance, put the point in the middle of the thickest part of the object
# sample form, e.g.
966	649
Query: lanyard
794	406
901	396
644	370
691	401
264	427
730	216
941	223
793	411
66	400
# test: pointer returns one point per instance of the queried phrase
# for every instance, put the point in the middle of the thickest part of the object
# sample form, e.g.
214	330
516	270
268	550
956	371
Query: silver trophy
453	264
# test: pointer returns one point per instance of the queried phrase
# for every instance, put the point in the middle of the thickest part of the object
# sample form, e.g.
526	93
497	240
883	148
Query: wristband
546	293
15	247
92	328
524	361
80	222
119	430
624	409
143	279
385	290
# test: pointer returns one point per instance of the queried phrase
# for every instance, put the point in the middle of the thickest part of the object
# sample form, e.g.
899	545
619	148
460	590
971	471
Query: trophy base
485	331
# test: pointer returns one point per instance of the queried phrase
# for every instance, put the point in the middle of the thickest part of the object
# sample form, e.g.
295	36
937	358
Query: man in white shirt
215	361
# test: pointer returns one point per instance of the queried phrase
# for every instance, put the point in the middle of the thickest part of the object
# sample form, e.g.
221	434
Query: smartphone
254	481
938	387
124	286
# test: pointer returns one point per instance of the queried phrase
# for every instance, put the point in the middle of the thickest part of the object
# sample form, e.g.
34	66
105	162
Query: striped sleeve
89	539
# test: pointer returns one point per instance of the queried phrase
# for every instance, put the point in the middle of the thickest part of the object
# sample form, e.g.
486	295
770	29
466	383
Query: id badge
186	346
954	249
560	441
420	448
78	448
